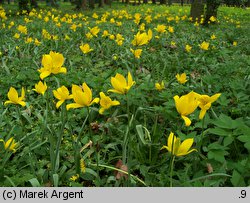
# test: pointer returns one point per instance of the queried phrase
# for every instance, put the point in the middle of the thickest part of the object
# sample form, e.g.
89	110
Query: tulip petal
101	110
115	91
13	95
202	113
44	74
185	146
214	97
96	100
73	106
117	85
22	103
59	103
187	120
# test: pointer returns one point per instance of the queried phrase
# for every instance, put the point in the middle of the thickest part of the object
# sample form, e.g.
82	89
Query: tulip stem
171	170
59	140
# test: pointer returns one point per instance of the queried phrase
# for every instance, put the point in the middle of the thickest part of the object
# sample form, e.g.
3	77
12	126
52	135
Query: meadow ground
110	108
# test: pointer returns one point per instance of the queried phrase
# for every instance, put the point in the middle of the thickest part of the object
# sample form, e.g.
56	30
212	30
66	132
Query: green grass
145	116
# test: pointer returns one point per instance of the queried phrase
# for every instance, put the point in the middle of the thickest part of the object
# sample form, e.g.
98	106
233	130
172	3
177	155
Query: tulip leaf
144	134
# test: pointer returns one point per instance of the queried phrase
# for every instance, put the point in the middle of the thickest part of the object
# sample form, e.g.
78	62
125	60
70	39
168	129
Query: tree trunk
182	2
169	2
145	1
127	1
163	1
33	4
154	1
92	4
83	4
197	9
1	1
23	5
101	3
212	8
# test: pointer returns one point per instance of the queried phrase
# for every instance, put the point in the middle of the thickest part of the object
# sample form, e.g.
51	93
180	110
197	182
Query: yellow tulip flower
205	103
106	102
13	97
10	144
178	148
82	97
140	39
40	88
186	105
52	64
159	86
188	48
137	52
86	48
181	78
120	85
204	45
62	94
161	28
94	31
171	29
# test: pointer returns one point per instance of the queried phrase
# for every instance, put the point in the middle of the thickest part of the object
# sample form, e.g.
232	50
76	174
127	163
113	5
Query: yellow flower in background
82	166
178	148
120	84
212	19
62	94
52	64
82	97
112	37
94	31
235	43
140	39
14	99
171	29
137	18
150	34
95	16
106	102
204	45
37	42
159	86
22	29
105	33
148	19
188	48
213	37
206	102
186	105
181	78
74	177
10	144
40	87
28	40
89	35
86	48
161	28
17	36
137	52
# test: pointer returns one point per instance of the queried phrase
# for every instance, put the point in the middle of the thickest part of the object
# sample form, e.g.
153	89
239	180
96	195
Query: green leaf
237	180
55	180
144	134
34	182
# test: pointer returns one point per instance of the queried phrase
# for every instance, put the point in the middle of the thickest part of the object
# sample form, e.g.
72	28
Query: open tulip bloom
13	97
52	64
82	97
186	105
120	85
206	102
178	148
10	144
